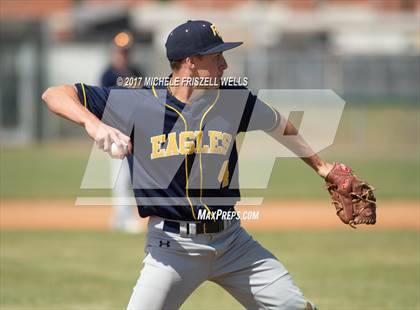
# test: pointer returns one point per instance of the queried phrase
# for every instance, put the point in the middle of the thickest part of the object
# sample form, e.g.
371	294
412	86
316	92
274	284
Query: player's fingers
125	140
129	148
107	143
100	143
115	139
123	137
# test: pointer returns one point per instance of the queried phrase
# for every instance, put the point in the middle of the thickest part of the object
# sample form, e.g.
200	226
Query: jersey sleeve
93	98
258	115
113	106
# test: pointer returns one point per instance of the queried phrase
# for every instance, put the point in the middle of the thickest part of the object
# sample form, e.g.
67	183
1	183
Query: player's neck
184	93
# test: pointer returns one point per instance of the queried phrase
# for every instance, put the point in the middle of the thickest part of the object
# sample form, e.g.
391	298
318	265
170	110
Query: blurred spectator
123	215
120	65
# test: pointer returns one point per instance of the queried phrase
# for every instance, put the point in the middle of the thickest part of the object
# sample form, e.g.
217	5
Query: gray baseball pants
175	265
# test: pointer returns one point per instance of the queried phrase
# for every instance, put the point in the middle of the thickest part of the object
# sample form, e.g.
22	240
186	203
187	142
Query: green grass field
97	270
49	172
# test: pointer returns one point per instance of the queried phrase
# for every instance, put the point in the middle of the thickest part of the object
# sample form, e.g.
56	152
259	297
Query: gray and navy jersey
184	155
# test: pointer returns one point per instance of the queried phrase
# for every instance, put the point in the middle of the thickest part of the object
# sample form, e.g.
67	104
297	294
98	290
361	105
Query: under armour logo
162	243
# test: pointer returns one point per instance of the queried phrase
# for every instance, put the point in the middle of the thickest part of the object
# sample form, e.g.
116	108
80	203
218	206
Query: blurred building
365	50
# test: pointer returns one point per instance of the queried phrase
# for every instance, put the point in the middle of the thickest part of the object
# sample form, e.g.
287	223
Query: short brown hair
175	64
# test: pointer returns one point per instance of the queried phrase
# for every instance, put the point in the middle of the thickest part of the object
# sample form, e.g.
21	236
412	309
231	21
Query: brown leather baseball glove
354	200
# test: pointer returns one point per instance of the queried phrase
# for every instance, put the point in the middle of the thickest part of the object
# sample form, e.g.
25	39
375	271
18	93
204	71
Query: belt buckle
183	229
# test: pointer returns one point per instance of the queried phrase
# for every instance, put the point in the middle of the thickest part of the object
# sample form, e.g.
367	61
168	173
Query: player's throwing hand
109	139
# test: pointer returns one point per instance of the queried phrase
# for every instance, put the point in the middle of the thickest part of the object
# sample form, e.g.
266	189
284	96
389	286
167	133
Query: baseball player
182	138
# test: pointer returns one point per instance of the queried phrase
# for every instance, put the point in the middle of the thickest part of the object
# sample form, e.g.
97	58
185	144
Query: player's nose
223	63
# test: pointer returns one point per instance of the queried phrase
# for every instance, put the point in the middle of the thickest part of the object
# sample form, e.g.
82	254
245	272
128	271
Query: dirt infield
63	214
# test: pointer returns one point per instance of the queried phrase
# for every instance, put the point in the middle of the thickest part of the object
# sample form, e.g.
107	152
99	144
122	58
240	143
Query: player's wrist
324	169
91	125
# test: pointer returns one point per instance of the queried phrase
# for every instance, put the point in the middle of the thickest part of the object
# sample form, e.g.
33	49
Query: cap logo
215	32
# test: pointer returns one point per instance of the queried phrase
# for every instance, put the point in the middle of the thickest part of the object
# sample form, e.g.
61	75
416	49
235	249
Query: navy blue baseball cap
196	37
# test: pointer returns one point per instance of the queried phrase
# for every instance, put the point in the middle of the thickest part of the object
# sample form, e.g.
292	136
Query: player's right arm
64	101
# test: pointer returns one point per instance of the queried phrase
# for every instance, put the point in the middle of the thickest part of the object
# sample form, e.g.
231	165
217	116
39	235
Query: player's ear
190	62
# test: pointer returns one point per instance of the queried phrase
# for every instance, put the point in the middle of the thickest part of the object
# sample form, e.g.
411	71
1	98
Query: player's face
210	66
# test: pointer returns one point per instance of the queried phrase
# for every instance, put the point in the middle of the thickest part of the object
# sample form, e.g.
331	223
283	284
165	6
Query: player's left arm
299	146
353	198
260	115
